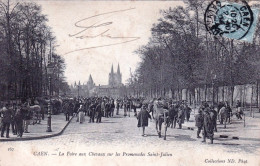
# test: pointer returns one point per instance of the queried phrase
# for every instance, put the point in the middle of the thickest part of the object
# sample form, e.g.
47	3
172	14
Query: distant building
114	89
90	83
84	90
115	79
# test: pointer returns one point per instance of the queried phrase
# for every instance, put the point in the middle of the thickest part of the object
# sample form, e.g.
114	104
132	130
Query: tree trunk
205	92
232	95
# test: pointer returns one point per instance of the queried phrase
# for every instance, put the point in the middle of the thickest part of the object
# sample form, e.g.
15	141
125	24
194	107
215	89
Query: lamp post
50	69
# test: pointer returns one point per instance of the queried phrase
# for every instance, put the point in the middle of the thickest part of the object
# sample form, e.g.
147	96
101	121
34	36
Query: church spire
90	79
118	69
112	69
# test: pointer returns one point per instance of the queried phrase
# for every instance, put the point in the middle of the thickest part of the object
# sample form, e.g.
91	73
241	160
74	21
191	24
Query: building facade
115	87
115	79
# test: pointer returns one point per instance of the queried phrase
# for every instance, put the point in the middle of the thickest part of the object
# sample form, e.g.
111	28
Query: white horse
36	110
160	116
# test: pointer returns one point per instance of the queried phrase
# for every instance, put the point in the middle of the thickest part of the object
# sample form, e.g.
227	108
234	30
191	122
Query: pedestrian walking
27	118
103	108
98	111
208	125
181	116
199	122
142	118
18	118
215	116
117	106
92	112
187	111
239	111
112	108
107	109
13	124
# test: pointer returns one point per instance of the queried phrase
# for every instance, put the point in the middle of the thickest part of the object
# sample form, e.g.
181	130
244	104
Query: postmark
228	19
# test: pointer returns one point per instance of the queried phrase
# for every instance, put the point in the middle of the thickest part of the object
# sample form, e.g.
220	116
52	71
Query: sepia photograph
126	83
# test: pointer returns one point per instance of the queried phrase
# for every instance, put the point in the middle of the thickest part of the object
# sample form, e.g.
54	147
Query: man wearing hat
199	122
142	118
208	124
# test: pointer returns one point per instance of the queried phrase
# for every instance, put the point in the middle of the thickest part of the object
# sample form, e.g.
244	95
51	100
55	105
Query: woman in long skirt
81	116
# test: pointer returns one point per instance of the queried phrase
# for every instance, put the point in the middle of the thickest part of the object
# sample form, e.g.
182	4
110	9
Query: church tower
111	80
115	79
90	83
119	75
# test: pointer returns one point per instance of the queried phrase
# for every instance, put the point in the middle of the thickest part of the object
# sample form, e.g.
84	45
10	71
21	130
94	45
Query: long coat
81	117
18	118
181	115
142	117
98	110
208	122
199	120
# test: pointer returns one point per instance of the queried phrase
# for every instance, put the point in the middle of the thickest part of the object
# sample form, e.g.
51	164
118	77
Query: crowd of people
98	107
205	120
17	116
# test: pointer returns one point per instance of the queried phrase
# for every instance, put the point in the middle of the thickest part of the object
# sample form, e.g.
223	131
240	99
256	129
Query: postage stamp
232	20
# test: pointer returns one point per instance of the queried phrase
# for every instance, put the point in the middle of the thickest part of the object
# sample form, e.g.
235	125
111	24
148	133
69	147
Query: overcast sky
129	20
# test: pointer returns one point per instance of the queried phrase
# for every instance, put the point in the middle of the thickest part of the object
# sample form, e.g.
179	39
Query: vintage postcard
111	83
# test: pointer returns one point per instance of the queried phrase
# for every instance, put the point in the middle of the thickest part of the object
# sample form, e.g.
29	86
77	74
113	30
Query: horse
173	115
136	103
68	109
36	110
56	105
160	116
225	115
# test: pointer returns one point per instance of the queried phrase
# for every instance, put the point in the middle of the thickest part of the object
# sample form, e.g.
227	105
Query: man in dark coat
27	117
18	118
112	108
215	117
66	111
6	121
98	112
173	113
239	111
128	106
107	109
199	122
117	106
13	125
92	112
142	118
208	125
229	111
187	111
181	116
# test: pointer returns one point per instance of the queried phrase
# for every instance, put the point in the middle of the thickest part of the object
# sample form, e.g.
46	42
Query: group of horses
166	114
159	108
39	106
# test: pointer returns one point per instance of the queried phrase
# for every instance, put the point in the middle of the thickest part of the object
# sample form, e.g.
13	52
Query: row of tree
182	54
27	45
